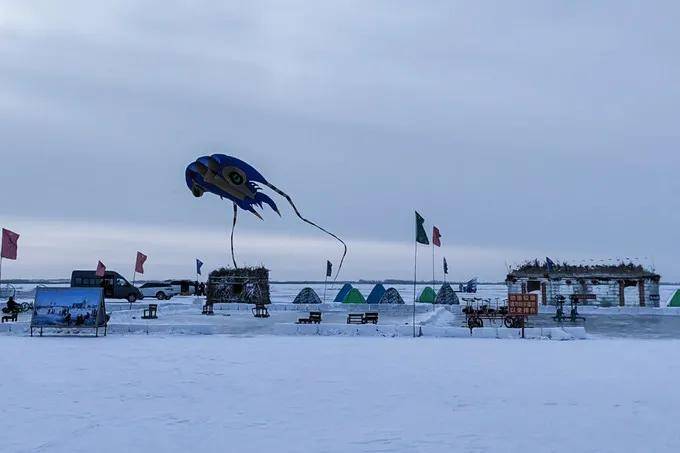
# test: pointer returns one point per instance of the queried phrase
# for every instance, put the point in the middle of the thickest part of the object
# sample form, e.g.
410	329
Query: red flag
436	237
101	270
9	244
141	259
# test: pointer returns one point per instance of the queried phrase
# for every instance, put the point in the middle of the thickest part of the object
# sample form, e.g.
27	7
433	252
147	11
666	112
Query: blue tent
343	293
376	294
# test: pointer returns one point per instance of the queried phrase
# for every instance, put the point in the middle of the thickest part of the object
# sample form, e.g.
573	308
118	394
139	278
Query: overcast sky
521	129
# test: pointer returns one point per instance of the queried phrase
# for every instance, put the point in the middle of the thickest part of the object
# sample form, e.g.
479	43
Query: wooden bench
355	318
208	309
314	318
371	317
260	311
10	318
151	312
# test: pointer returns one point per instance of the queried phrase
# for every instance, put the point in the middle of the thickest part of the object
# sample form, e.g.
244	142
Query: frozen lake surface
285	292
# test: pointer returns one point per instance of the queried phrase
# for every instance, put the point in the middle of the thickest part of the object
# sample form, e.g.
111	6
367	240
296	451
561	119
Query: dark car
115	285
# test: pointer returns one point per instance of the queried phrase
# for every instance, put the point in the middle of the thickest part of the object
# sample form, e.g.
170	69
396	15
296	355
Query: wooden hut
249	285
602	285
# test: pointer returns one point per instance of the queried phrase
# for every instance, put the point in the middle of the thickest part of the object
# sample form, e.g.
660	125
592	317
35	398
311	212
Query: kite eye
234	175
235	178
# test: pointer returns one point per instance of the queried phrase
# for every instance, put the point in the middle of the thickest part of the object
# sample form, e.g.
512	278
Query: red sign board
522	304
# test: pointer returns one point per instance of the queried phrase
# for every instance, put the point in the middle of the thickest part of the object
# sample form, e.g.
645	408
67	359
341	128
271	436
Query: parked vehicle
115	285
159	290
184	287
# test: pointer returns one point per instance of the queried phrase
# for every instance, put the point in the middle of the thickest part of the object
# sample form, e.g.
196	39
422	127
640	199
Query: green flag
421	235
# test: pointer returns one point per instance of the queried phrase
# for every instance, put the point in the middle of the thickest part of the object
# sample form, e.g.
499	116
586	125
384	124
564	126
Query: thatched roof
536	269
242	272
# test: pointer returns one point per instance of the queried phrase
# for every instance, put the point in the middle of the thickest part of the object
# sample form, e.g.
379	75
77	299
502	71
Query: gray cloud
543	127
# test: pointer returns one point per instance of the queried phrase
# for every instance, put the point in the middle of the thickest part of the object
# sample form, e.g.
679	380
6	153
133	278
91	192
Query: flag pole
415	278
325	283
433	272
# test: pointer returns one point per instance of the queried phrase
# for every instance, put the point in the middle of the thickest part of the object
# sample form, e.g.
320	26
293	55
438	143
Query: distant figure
197	289
201	289
12	306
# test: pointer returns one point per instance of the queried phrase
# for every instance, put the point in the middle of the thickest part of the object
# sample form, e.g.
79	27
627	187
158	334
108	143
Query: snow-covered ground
269	385
313	394
182	315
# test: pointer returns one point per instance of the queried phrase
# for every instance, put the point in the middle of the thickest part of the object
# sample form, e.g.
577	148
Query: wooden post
622	293
544	293
641	287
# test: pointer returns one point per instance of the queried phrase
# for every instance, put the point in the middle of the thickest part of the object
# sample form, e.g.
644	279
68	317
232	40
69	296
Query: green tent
675	300
428	296
354	297
346	288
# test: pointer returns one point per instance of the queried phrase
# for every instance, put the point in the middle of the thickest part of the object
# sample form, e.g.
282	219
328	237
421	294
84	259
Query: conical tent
354	297
391	296
675	300
307	296
447	295
343	293
428	296
376	294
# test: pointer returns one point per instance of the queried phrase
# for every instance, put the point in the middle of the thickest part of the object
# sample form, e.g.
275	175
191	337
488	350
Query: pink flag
141	259
436	237
9	244
101	270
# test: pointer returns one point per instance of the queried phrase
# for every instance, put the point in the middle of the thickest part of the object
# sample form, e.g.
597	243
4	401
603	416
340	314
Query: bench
151	312
355	318
314	318
260	311
11	318
208	309
371	317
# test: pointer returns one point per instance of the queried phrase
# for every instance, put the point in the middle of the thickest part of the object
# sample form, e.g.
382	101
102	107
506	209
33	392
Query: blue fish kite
235	180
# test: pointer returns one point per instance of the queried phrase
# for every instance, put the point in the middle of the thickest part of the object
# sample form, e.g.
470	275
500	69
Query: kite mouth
197	191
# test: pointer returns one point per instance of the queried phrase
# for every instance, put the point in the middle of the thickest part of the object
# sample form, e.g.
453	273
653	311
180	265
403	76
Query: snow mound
391	296
447	295
307	296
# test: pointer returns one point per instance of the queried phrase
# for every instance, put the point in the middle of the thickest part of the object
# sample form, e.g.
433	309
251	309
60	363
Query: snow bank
370	330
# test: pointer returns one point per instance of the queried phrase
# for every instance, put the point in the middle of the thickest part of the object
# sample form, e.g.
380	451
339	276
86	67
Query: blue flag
549	264
199	265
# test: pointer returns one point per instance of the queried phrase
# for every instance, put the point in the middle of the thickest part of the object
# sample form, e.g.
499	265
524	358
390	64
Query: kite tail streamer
285	195
233	227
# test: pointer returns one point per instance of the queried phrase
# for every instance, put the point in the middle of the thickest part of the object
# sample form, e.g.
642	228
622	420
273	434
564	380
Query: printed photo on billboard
68	307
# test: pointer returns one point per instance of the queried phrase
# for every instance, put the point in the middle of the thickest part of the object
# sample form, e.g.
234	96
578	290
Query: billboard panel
68	307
